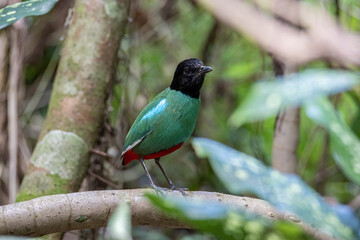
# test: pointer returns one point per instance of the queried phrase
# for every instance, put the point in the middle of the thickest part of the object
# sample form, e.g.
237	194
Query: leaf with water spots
12	13
242	173
345	145
267	98
224	221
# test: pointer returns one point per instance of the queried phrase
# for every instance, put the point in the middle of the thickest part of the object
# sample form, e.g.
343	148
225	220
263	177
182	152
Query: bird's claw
172	188
182	190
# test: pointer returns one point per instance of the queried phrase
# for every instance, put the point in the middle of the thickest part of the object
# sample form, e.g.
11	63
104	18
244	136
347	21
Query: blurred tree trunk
286	133
76	111
11	86
286	139
3	117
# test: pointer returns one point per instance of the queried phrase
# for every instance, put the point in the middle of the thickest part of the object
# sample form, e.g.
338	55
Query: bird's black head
189	77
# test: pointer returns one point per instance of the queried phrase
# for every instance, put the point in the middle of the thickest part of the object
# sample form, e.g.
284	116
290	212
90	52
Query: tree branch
316	35
64	212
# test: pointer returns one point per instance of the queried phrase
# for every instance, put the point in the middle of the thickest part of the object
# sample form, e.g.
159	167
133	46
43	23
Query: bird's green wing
145	122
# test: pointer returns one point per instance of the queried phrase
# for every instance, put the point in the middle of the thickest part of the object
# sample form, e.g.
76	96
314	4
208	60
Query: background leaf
120	223
267	98
224	221
12	13
344	143
242	173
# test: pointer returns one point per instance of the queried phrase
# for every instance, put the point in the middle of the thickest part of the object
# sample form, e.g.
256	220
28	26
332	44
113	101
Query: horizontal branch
64	212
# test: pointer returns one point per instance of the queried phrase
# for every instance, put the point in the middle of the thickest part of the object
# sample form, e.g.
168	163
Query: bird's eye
187	71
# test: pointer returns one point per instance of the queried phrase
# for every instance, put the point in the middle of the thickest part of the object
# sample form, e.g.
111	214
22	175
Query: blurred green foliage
120	223
242	173
225	222
345	145
267	98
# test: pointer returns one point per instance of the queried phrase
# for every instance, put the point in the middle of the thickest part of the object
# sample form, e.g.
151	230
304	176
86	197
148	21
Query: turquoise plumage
167	126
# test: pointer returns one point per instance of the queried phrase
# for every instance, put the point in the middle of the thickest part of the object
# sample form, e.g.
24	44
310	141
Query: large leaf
344	143
12	13
224	221
267	98
242	173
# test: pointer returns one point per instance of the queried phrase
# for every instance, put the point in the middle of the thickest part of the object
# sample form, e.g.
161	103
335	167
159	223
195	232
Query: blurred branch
4	57
355	203
285	142
210	41
286	133
17	36
81	210
337	9
315	35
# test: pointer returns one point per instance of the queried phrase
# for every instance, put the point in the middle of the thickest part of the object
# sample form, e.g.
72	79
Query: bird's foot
172	188
182	190
160	189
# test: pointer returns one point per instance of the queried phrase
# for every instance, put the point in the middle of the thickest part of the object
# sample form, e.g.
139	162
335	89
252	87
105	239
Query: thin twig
40	90
111	184
100	153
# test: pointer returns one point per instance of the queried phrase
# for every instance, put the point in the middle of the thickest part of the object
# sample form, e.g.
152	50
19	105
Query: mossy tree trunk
76	110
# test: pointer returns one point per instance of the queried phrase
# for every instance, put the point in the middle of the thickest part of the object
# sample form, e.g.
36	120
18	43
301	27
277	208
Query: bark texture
286	132
77	104
286	139
64	212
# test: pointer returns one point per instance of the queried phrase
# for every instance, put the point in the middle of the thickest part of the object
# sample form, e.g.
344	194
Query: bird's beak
205	69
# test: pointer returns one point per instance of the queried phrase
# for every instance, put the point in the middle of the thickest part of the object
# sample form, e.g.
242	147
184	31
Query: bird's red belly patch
131	155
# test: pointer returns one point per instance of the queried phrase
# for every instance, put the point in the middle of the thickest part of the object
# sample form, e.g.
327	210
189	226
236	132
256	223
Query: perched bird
168	120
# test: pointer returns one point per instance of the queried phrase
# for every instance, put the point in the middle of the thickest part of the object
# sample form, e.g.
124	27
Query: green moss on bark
41	183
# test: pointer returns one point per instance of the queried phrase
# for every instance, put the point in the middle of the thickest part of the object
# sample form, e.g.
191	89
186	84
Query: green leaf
223	221
344	143
267	98
242	69
12	13
120	223
242	173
